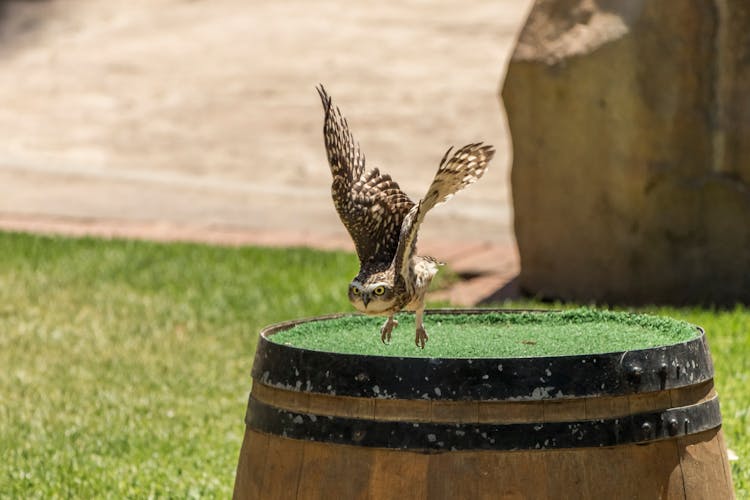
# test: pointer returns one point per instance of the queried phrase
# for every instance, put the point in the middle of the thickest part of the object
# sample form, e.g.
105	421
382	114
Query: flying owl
384	222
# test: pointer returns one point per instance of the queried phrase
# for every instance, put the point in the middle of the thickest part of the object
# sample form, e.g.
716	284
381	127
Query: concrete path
175	119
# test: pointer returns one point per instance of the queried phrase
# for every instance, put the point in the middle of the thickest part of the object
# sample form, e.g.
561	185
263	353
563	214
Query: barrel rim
619	372
275	328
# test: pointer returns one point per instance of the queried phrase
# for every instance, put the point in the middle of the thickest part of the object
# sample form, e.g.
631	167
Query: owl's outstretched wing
370	204
463	168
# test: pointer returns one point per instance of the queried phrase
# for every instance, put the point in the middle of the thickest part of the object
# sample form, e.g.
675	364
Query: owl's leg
421	336
387	328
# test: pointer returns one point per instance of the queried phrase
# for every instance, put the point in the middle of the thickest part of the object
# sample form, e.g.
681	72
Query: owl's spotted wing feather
462	169
344	157
370	204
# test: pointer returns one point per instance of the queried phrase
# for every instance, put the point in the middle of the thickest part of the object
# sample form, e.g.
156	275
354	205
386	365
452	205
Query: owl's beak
365	299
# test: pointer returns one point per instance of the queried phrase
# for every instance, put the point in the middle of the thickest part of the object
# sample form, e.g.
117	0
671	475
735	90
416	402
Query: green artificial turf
493	334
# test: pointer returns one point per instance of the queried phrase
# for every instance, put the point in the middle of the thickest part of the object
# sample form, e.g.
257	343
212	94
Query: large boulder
631	135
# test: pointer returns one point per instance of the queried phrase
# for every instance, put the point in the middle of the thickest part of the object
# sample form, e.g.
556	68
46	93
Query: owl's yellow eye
355	290
379	290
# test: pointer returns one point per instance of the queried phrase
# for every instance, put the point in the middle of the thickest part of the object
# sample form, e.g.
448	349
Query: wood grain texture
606	407
249	480
272	467
510	412
649	471
455	411
276	468
399	476
566	474
283	465
704	466
564	410
420	410
487	475
330	471
400	409
692	394
725	462
343	406
639	403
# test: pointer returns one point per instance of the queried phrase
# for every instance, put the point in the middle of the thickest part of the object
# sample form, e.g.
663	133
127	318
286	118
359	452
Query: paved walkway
167	119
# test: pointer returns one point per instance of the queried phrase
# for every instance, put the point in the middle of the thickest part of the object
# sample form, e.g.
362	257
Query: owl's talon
421	337
387	328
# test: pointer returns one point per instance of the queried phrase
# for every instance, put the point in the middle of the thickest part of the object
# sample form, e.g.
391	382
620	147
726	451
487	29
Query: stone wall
630	122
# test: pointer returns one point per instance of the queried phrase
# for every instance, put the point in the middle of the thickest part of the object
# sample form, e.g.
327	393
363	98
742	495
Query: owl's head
372	294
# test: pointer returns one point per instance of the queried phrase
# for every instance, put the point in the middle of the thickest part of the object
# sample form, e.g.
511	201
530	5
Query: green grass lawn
124	366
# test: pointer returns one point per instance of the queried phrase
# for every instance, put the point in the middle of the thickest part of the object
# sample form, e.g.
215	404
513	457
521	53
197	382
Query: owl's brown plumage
370	204
383	222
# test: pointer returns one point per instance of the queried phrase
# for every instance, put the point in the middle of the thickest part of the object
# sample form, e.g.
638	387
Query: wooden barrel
641	424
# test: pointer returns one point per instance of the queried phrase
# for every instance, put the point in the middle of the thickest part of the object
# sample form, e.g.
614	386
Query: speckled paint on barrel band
437	437
488	379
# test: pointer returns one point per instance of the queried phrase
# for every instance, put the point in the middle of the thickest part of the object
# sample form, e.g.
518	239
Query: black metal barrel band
656	369
442	437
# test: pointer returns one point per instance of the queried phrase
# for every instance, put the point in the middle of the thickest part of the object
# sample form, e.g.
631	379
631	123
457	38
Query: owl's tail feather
463	168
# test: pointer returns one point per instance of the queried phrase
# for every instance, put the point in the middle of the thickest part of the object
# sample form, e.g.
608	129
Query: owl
384	222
